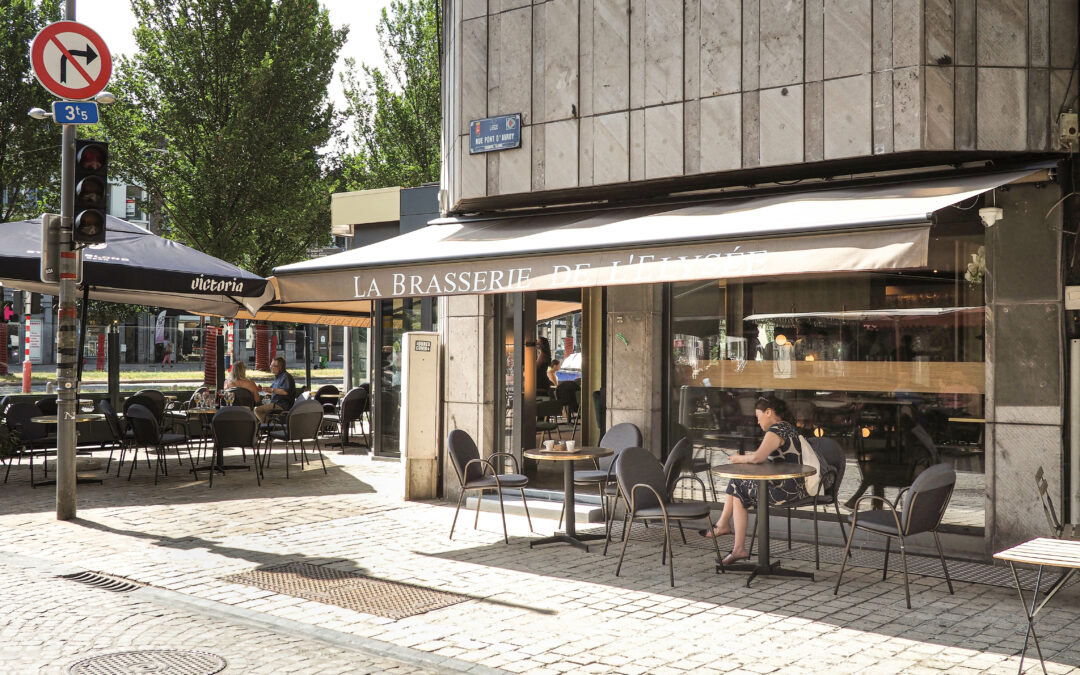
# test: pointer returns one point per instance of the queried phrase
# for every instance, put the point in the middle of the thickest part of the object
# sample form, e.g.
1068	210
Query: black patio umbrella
137	267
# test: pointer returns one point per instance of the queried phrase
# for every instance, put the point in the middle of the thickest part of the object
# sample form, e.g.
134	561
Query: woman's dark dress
780	491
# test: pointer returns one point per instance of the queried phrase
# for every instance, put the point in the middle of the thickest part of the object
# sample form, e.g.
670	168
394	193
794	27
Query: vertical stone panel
692	50
815	40
1038	113
966	32
561	154
1002	108
473	74
883	112
751	129
560	71
513	168
635	365
721	47
907	18
1002	26
882	46
966	108
663	51
848	118
939	32
539	65
472	171
751	49
586	139
637	53
848	38
814	122
907	109
1063	25
781	125
939	108
721	133
470	9
637	145
664	141
611	56
611	148
1039	33
514	84
497	6
781	44
539	158
692	137
586	9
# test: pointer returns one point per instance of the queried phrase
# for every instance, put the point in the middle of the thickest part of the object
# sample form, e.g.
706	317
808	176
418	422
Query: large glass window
890	365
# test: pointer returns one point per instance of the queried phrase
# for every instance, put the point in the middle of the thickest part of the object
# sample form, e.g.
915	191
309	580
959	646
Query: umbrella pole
307	353
82	331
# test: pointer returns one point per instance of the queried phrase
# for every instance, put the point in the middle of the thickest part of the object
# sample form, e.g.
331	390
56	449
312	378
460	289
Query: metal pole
65	342
82	331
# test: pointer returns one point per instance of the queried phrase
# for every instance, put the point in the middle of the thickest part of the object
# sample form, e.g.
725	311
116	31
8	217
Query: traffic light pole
67	381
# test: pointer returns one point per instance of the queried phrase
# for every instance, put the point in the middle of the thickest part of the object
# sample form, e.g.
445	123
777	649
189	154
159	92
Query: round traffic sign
70	60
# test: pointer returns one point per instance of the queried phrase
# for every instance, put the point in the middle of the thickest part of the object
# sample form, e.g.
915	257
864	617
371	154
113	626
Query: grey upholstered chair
618	438
679	462
148	434
302	423
923	506
236	427
472	472
645	486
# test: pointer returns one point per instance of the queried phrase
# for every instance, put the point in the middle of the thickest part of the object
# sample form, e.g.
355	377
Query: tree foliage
396	113
222	117
29	148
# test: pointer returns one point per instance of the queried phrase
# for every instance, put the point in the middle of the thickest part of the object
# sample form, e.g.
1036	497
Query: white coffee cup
548	445
570	446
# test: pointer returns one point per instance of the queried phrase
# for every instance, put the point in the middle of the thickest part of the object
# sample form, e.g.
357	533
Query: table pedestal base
756	570
79	480
564	538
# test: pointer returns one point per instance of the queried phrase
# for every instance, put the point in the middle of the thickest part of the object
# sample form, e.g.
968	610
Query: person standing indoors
282	390
543	361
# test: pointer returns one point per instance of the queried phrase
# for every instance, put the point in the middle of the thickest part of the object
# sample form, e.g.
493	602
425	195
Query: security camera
990	215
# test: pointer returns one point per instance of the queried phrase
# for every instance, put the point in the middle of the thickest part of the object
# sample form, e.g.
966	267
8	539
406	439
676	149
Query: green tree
222	117
396	113
29	148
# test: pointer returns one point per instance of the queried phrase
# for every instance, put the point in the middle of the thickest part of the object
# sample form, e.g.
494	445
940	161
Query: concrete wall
652	90
1025	363
635	362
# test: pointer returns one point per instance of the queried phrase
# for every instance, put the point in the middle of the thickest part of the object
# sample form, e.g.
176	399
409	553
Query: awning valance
861	228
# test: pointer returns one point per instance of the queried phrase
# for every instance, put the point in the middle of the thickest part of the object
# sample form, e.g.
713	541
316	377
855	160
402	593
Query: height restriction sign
70	60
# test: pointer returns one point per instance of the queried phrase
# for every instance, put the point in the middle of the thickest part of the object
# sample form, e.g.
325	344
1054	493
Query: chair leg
526	505
817	548
719	558
885	567
753	533
843	562
502	512
681	533
670	552
941	555
903	561
788	512
479	498
318	449
626	538
603	502
839	518
461	496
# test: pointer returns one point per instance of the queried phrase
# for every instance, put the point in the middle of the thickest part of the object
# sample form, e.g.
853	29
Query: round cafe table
570	535
763	473
79	418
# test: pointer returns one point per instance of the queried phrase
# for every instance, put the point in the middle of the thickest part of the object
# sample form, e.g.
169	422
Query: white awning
861	228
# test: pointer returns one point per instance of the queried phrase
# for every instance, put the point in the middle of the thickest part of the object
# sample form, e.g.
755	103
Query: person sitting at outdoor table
282	390
552	372
779	445
238	378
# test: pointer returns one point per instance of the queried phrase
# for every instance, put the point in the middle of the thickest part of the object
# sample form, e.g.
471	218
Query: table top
1044	551
201	411
329	395
969	420
768	470
79	417
587	452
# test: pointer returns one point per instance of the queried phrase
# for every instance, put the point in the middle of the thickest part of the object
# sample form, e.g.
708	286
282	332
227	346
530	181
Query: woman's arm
761	455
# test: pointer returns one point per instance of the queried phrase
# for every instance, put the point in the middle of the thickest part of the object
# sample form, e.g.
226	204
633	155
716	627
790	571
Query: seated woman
238	378
553	379
779	445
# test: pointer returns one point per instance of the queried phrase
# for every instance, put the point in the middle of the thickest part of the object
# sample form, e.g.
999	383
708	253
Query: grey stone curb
259	620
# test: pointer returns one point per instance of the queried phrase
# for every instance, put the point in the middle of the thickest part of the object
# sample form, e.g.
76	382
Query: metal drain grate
104	581
161	661
389	599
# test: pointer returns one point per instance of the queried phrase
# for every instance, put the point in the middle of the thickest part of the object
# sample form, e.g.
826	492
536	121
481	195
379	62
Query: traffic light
91	186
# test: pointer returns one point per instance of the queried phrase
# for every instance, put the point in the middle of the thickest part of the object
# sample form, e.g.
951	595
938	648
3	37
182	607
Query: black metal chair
242	396
922	509
323	395
31	436
547	417
148	435
645	488
302	423
116	431
47	405
679	462
565	394
236	427
617	439
354	406
472	473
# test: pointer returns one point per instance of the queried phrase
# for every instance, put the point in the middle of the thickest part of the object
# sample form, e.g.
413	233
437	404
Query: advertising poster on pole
159	330
34	343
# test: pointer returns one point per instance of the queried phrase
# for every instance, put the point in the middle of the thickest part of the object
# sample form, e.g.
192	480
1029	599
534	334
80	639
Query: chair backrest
927	498
194	398
637	465
618	438
242	396
18	420
1048	505
235	426
143	423
354	405
147	402
157	396
833	455
548	408
679	461
47	405
326	389
565	393
462	450
113	420
304	420
599	407
366	386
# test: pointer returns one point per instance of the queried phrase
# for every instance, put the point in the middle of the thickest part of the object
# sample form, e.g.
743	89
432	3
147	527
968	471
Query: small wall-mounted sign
495	133
422	346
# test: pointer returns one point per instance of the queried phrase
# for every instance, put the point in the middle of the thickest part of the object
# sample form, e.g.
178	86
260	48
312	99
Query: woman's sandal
713	534
730	558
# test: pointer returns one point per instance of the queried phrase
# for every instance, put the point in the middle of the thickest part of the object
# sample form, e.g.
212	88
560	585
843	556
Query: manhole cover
163	661
390	599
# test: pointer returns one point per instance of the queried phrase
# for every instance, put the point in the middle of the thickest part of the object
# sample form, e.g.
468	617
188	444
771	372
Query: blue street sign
495	133
75	112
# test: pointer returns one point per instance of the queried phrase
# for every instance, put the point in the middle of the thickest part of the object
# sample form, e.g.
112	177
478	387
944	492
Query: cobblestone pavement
546	610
